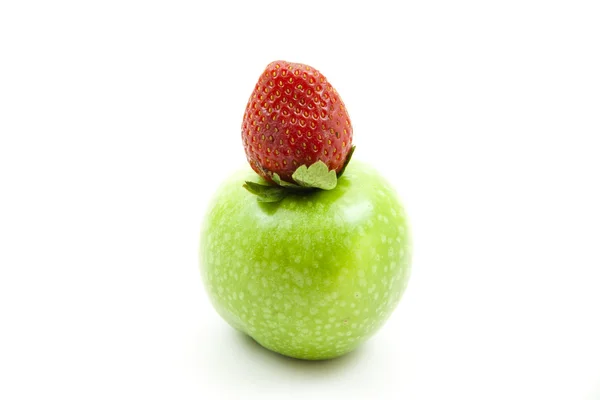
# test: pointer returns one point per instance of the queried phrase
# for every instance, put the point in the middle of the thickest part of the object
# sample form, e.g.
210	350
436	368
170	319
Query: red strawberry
295	117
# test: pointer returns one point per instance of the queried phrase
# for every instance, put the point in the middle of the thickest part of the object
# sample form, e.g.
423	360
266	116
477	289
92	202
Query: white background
119	118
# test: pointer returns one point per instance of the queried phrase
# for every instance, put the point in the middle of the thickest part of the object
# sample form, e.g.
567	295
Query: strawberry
295	117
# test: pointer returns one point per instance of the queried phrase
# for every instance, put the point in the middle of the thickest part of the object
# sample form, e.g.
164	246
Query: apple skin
313	276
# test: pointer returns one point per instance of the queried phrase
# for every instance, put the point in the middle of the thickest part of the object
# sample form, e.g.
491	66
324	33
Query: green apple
314	275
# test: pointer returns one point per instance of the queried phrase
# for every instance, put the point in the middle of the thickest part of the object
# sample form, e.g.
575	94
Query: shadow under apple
320	368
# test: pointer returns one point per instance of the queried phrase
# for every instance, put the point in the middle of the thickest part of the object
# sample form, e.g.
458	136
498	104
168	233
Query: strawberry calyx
306	179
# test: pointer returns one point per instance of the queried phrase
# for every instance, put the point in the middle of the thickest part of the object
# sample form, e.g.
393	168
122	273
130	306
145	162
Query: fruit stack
307	252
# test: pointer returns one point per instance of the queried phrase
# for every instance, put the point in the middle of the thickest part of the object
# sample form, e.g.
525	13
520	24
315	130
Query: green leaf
348	157
266	193
283	183
315	176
